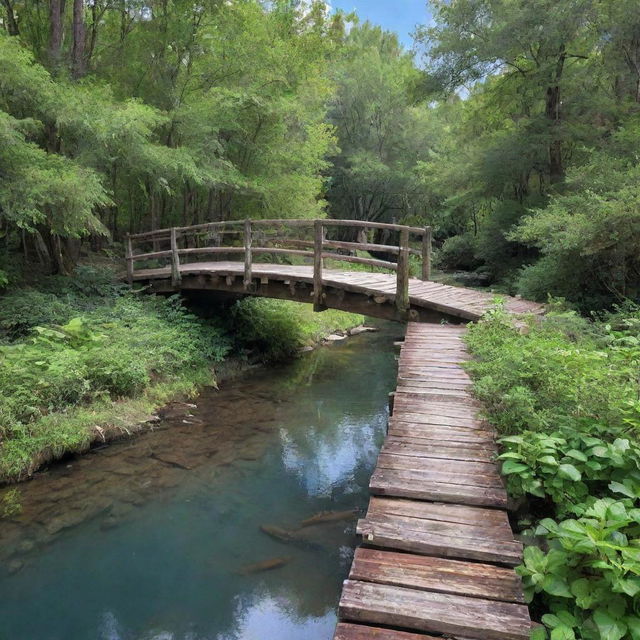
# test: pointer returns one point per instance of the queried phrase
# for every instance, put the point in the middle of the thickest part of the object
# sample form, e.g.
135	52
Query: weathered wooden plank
477	516
388	460
444	474
460	540
443	575
346	631
416	448
433	612
407	484
422	425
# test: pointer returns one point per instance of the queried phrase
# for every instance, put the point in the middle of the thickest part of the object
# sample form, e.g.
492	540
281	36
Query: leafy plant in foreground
590	576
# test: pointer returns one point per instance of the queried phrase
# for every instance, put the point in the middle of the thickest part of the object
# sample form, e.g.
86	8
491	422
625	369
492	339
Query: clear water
127	544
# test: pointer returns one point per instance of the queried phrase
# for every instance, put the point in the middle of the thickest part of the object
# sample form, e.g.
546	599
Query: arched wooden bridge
201	258
437	551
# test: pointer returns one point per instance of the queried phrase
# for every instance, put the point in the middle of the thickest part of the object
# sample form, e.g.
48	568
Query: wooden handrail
319	252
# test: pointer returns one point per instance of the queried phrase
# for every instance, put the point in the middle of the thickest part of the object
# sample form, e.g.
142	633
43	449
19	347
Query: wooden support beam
426	254
317	265
402	281
247	254
175	260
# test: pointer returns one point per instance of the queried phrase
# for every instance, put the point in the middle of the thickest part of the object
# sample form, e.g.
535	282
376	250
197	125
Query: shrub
276	329
458	252
568	391
22	310
561	368
267	326
588	234
116	376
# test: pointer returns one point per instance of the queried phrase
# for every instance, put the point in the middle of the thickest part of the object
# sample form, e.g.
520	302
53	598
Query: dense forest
512	128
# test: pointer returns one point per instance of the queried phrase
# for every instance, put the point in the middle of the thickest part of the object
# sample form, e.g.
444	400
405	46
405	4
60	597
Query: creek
159	537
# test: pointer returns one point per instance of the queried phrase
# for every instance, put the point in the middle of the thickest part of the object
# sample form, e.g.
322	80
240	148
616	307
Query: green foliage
567	390
115	350
57	299
458	252
381	130
569	467
535	377
590	576
590	233
539	160
278	329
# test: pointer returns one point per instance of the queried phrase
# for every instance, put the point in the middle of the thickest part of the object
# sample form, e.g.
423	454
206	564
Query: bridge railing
304	239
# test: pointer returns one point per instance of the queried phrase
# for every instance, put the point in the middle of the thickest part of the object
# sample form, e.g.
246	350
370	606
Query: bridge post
318	246
175	260
402	282
247	254
426	254
129	259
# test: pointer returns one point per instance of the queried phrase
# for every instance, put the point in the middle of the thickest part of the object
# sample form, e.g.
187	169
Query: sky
400	16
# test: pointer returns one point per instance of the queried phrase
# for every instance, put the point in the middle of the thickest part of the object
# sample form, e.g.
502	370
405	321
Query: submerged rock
361	329
266	565
15	566
290	537
174	459
324	517
26	545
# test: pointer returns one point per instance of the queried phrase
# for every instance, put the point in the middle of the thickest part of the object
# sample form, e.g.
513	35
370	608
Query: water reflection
152	538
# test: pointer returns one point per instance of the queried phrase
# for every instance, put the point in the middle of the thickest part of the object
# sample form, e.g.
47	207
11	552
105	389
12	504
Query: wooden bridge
172	260
438	551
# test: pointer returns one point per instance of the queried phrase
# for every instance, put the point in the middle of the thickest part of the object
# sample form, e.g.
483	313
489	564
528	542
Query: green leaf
556	587
551	620
510	467
608	628
576	455
538	633
581	589
618	487
563	632
570	472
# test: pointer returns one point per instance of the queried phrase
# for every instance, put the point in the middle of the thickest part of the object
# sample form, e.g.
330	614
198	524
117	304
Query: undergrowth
84	356
564	392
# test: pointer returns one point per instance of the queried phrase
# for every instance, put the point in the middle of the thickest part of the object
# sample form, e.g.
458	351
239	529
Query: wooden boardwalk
394	295
438	551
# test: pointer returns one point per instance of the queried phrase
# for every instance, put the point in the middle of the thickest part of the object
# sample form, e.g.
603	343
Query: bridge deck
378	288
438	552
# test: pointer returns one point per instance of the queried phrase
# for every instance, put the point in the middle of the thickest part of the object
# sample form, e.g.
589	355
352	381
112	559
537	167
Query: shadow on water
158	537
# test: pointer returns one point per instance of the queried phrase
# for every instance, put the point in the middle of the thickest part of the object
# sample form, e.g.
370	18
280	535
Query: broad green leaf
563	632
510	467
556	587
570	472
608	627
576	455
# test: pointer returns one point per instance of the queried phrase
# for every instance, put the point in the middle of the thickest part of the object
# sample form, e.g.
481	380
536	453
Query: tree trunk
77	53
553	113
56	10
12	23
556	170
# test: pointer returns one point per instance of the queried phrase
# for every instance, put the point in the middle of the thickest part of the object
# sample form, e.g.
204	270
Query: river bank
160	536
85	360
